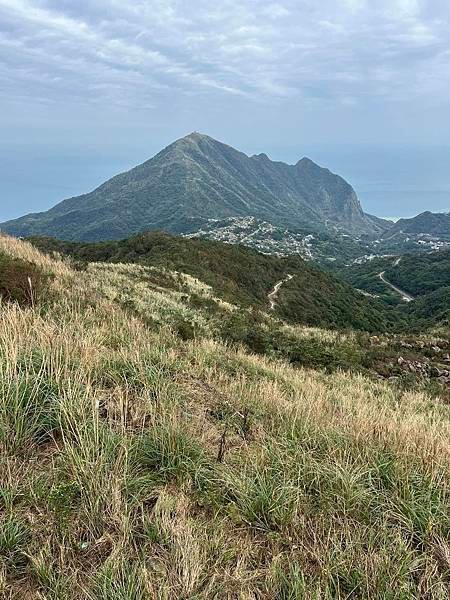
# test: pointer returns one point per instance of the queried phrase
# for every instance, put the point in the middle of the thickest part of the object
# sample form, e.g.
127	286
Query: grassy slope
135	465
241	275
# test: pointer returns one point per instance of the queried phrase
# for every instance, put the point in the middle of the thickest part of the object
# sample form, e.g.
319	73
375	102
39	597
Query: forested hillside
421	273
241	275
426	276
366	277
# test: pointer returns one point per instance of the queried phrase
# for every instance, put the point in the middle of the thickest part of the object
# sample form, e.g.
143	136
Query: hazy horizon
392	182
91	89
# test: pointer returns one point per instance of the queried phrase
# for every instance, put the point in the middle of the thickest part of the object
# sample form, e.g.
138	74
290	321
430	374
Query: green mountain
426	224
198	177
243	276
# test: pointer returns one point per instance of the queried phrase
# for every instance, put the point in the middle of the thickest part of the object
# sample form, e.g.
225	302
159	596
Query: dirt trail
274	293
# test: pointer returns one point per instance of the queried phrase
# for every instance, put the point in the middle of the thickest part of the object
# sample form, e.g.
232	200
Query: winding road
405	296
274	293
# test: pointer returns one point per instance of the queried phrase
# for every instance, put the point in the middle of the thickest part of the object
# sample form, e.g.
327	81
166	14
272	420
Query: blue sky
91	87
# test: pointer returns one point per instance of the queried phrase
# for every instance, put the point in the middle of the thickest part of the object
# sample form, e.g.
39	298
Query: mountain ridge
197	177
425	223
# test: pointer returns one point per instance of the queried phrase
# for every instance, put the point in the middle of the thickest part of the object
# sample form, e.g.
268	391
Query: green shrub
185	330
315	353
63	498
21	281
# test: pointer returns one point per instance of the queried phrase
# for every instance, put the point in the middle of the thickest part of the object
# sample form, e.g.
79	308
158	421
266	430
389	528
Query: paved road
405	296
274	293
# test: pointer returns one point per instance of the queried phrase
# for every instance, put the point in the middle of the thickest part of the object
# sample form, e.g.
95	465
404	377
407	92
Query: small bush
185	330
21	281
314	353
63	497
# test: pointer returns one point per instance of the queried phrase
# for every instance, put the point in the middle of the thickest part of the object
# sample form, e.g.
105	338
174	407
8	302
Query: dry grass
134	465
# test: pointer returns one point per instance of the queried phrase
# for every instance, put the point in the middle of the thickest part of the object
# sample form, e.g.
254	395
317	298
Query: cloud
129	52
276	11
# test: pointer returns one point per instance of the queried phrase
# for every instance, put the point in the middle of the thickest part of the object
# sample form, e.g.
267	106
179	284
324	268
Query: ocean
392	181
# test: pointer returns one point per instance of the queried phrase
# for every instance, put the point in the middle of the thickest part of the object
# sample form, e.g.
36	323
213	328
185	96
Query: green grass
14	539
27	412
122	581
165	453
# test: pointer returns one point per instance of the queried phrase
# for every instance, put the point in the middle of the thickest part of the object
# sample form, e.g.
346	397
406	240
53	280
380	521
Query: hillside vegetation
426	276
137	464
426	224
423	273
366	277
243	276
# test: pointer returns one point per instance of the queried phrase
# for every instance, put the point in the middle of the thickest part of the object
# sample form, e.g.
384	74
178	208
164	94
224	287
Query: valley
265	302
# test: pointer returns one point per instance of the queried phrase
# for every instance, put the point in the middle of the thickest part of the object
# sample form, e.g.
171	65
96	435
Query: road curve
274	293
405	296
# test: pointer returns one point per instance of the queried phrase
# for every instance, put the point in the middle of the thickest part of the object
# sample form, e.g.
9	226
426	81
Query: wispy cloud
255	49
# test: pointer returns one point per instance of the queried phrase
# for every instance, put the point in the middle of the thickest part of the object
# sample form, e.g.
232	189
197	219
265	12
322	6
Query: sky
89	88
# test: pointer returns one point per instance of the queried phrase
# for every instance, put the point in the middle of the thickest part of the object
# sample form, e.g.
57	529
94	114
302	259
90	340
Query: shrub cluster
21	281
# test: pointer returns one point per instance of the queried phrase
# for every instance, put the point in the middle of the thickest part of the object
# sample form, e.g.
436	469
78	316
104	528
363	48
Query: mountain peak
195	136
306	162
191	141
198	177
